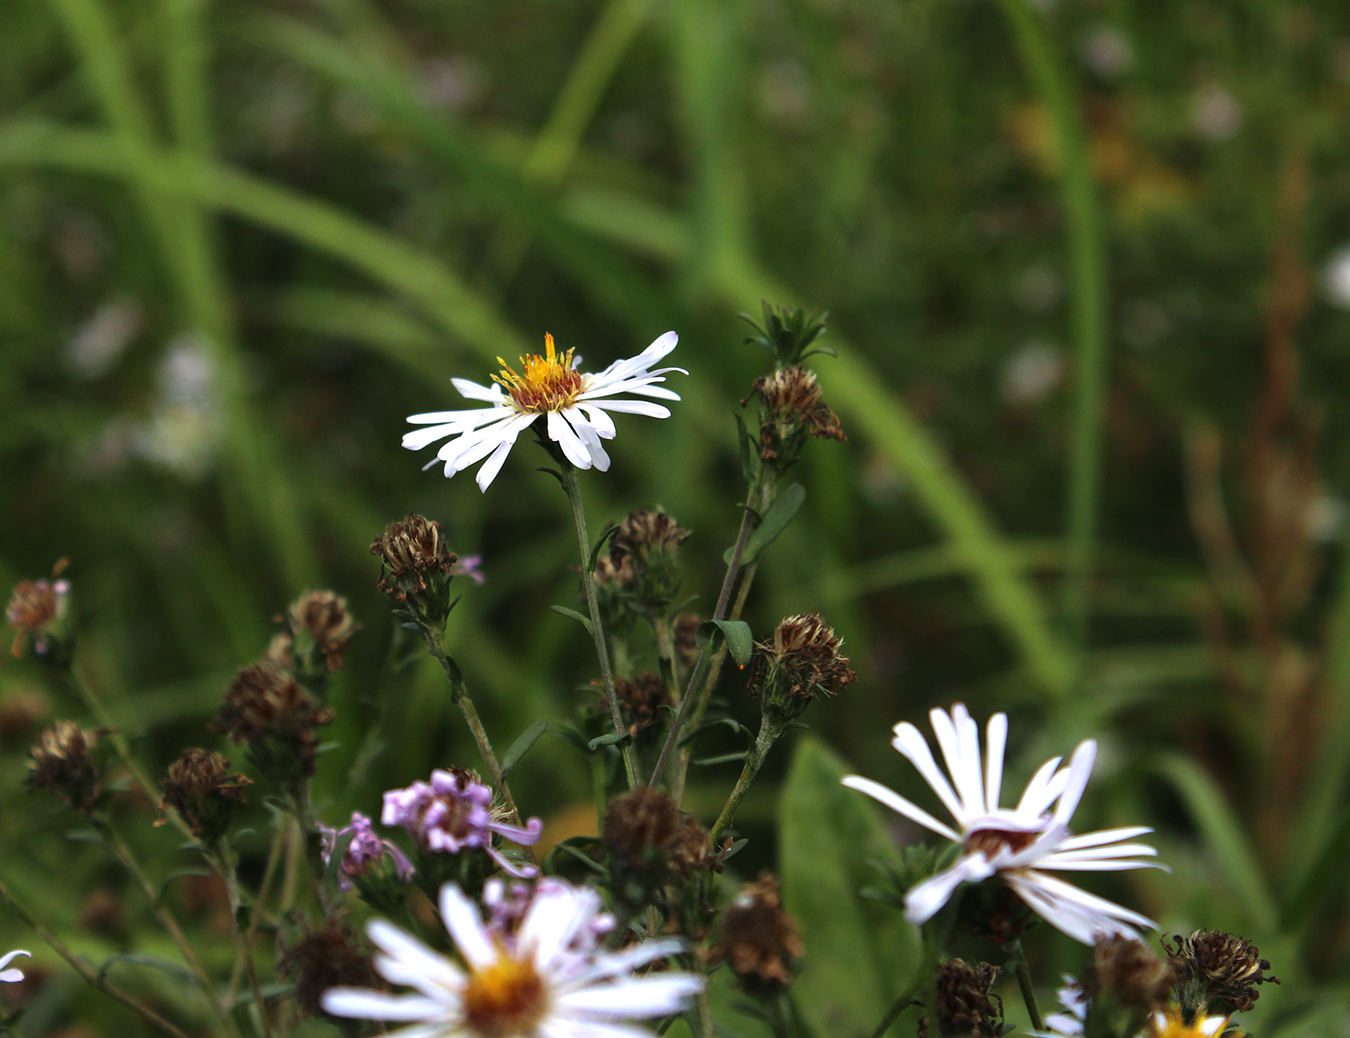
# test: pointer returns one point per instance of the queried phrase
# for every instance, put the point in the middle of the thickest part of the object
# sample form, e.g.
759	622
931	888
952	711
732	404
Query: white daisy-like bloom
11	976
1017	844
546	979
577	405
1071	1022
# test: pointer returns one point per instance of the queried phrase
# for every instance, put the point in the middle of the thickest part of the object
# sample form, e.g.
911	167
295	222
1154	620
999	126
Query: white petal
1102	836
419	438
639	997
915	748
998	739
635	407
602	422
472	448
900	805
1080	770
1115	850
1081	915
562	433
1038	796
612	964
489	469
923	900
642	387
553	919
563	1027
473	391
364	1004
405	956
461	918
11	956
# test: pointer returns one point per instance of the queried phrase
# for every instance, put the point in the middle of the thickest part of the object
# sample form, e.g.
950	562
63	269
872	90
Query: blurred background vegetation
1086	269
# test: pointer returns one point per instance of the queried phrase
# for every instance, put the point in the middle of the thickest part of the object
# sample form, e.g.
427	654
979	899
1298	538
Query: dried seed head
1220	968
652	843
792	410
966	1007
267	709
200	787
1127	971
801	662
39	612
640	701
320	628
65	761
415	566
648	541
330	956
757	939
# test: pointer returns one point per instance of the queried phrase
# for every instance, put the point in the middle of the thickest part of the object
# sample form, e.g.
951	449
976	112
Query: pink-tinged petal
641	407
405	956
364	1004
563	435
473	391
998	741
1101	836
638	997
1080	770
900	805
465	925
914	747
923	900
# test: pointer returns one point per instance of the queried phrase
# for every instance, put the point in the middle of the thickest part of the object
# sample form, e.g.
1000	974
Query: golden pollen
990	841
505	999
548	383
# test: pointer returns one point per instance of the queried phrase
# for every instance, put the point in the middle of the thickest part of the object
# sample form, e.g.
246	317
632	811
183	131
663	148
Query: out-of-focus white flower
1068	1024
541	982
11	976
1031	374
1336	278
1016	844
577	406
1215	112
1108	52
99	342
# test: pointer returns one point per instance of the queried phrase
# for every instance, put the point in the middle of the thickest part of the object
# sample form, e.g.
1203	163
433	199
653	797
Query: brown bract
265	703
792	402
801	662
1131	973
647	832
410	550
757	939
640	700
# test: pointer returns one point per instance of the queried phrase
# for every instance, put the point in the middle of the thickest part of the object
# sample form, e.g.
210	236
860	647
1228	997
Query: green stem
705	1018
92	977
573	488
1019	957
754	759
311	849
223	861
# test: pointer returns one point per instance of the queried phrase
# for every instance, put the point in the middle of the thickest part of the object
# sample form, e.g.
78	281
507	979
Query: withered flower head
650	839
200	787
801	662
966	1006
640	701
1219	969
757	939
65	760
320	628
1129	973
39	612
648	542
326	957
267	709
792	410
415	565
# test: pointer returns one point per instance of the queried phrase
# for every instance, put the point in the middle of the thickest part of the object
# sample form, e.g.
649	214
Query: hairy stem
754	760
1019	957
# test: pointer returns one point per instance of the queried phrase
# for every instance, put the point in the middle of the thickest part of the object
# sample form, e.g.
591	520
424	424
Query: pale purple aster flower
469	566
365	850
11	976
1016	844
453	812
534	987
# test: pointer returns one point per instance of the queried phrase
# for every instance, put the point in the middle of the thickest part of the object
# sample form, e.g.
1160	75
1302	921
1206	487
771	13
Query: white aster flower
1016	844
578	407
11	976
1070	1023
547	979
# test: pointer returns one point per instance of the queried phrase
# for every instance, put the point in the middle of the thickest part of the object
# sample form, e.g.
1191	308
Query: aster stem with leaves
769	731
573	488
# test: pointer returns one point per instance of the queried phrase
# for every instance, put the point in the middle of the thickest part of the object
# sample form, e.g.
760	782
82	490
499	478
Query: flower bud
66	760
201	789
267	709
757	939
39	612
801	662
416	567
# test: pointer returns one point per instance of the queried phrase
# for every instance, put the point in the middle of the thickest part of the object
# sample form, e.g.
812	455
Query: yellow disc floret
505	999
1171	1024
549	383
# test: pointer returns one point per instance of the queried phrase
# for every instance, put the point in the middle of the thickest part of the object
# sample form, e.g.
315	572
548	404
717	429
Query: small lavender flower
454	812
470	566
508	904
365	850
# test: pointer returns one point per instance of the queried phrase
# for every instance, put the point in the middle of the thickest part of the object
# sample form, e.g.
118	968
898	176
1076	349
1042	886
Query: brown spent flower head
411	551
267	709
640	700
320	621
1223	967
966	1007
792	406
200	787
757	939
647	833
648	542
326	957
38	610
801	662
1127	971
64	760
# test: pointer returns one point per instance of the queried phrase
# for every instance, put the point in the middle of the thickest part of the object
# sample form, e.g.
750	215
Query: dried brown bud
200	787
39	612
1127	971
648	542
1221	968
757	939
646	530
801	662
640	701
267	709
330	956
792	407
966	1007
649	837
411	550
320	625
64	760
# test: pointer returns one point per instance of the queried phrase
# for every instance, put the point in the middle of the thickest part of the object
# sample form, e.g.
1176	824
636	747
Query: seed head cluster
201	788
64	760
411	552
266	708
757	939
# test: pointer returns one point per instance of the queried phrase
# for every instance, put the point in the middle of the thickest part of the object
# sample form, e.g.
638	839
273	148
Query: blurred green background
1086	265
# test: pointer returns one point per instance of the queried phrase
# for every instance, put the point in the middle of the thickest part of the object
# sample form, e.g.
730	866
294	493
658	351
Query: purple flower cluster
453	812
365	850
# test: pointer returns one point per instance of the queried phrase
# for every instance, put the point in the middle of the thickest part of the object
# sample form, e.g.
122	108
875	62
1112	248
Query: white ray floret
1019	843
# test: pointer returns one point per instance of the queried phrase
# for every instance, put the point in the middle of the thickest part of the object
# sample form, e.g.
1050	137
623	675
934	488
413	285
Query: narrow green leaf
612	739
726	758
174	969
610	531
522	745
740	642
585	621
775	521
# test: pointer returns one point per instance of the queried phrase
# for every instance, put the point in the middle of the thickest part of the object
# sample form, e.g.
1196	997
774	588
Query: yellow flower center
505	1000
548	383
1171	1025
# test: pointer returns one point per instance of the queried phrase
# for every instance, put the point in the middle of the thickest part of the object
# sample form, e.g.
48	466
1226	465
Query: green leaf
174	969
585	621
775	521
522	745
861	959
612	739
740	643
726	758
610	531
